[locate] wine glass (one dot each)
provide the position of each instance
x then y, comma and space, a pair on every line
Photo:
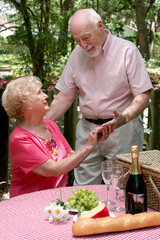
106, 169
117, 181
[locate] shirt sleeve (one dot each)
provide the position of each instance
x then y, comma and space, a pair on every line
66, 83
137, 73
27, 154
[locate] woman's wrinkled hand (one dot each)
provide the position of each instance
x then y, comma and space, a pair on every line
93, 138
103, 133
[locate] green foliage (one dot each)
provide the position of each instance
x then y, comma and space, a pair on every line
36, 28
2, 51
2, 40
157, 38
152, 62
7, 59
130, 38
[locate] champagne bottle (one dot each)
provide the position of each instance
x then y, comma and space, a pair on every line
135, 191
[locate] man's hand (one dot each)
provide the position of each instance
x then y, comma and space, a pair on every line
102, 133
118, 120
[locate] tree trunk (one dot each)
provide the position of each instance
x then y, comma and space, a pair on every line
142, 29
70, 122
63, 40
153, 141
98, 6
4, 135
152, 37
153, 29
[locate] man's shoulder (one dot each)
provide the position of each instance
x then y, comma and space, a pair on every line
77, 52
124, 42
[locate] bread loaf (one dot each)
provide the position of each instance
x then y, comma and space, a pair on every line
89, 226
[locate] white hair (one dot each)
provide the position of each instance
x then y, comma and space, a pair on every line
18, 94
93, 17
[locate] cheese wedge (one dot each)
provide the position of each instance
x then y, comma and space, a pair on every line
97, 212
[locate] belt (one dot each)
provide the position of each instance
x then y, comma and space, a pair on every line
98, 120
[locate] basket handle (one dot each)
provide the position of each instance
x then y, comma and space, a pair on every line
154, 186
126, 174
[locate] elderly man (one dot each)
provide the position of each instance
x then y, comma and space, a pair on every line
113, 85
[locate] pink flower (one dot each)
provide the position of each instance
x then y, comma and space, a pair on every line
3, 83
51, 87
49, 146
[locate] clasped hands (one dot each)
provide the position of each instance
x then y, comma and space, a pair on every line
106, 129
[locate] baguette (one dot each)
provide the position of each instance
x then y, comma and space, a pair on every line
89, 226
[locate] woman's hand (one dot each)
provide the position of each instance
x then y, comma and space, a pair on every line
98, 134
92, 139
103, 133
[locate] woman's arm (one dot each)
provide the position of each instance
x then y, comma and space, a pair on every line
51, 168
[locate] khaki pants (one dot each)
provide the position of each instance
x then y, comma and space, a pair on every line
89, 172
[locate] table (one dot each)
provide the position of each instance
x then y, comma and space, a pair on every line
23, 218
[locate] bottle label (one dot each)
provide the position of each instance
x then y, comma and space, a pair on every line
136, 203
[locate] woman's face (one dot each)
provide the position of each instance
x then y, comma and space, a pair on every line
38, 101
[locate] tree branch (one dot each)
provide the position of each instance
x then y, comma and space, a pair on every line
149, 6
16, 4
7, 28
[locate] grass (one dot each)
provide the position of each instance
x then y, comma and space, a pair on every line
8, 61
9, 66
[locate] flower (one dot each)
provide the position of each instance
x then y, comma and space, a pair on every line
51, 146
48, 211
3, 83
56, 212
53, 204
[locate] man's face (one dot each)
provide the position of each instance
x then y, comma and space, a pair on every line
88, 37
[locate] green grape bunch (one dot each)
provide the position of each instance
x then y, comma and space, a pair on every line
83, 199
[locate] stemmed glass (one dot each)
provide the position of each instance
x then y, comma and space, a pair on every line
106, 169
117, 181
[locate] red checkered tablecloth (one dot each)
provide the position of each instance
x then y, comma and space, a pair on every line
23, 218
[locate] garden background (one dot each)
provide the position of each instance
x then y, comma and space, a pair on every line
34, 39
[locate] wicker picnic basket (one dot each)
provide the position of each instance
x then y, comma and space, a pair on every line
150, 168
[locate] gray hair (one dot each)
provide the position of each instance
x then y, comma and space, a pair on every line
93, 17
17, 95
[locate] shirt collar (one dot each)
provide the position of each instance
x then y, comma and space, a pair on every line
107, 42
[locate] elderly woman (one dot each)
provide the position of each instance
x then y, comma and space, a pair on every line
40, 155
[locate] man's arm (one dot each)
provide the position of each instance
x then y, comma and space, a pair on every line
139, 103
59, 106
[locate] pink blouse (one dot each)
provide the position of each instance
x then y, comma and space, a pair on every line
28, 151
